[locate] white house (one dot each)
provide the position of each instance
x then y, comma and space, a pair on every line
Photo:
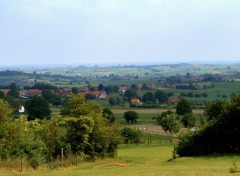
21, 109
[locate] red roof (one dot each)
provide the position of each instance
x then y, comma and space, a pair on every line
33, 92
20, 107
123, 88
135, 100
83, 93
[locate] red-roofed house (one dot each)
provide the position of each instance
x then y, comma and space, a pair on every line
63, 91
33, 92
135, 101
122, 89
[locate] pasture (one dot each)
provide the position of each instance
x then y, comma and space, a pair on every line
143, 159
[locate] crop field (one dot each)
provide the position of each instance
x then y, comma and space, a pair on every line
144, 159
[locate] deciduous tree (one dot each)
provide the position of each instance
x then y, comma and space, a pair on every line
37, 107
131, 116
183, 107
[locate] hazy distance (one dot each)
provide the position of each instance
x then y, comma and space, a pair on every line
43, 32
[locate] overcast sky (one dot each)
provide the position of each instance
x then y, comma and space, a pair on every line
118, 31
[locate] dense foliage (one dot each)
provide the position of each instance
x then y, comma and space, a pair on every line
221, 135
131, 116
83, 130
38, 107
131, 135
183, 107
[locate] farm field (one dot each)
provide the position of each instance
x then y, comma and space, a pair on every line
144, 159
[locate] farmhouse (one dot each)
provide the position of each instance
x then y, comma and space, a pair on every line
30, 92
135, 101
63, 91
21, 109
123, 88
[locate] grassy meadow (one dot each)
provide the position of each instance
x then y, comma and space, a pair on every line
143, 159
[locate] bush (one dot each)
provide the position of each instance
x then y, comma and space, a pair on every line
188, 120
131, 135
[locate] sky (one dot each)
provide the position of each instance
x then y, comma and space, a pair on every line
82, 32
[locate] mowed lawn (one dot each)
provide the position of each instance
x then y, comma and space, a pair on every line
146, 160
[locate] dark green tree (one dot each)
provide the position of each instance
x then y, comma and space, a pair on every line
100, 87
163, 114
130, 93
215, 110
188, 120
37, 107
90, 96
219, 136
148, 97
183, 107
75, 90
145, 87
131, 116
161, 96
108, 114
14, 90
134, 86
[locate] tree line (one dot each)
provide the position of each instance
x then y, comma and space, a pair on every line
83, 129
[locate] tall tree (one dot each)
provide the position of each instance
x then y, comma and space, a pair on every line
14, 90
170, 125
78, 132
148, 97
88, 131
130, 93
161, 96
5, 112
100, 87
37, 107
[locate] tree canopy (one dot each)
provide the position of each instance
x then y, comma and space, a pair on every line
183, 107
161, 96
169, 124
131, 116
37, 107
78, 106
219, 136
5, 112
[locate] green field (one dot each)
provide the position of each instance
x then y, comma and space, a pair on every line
149, 160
